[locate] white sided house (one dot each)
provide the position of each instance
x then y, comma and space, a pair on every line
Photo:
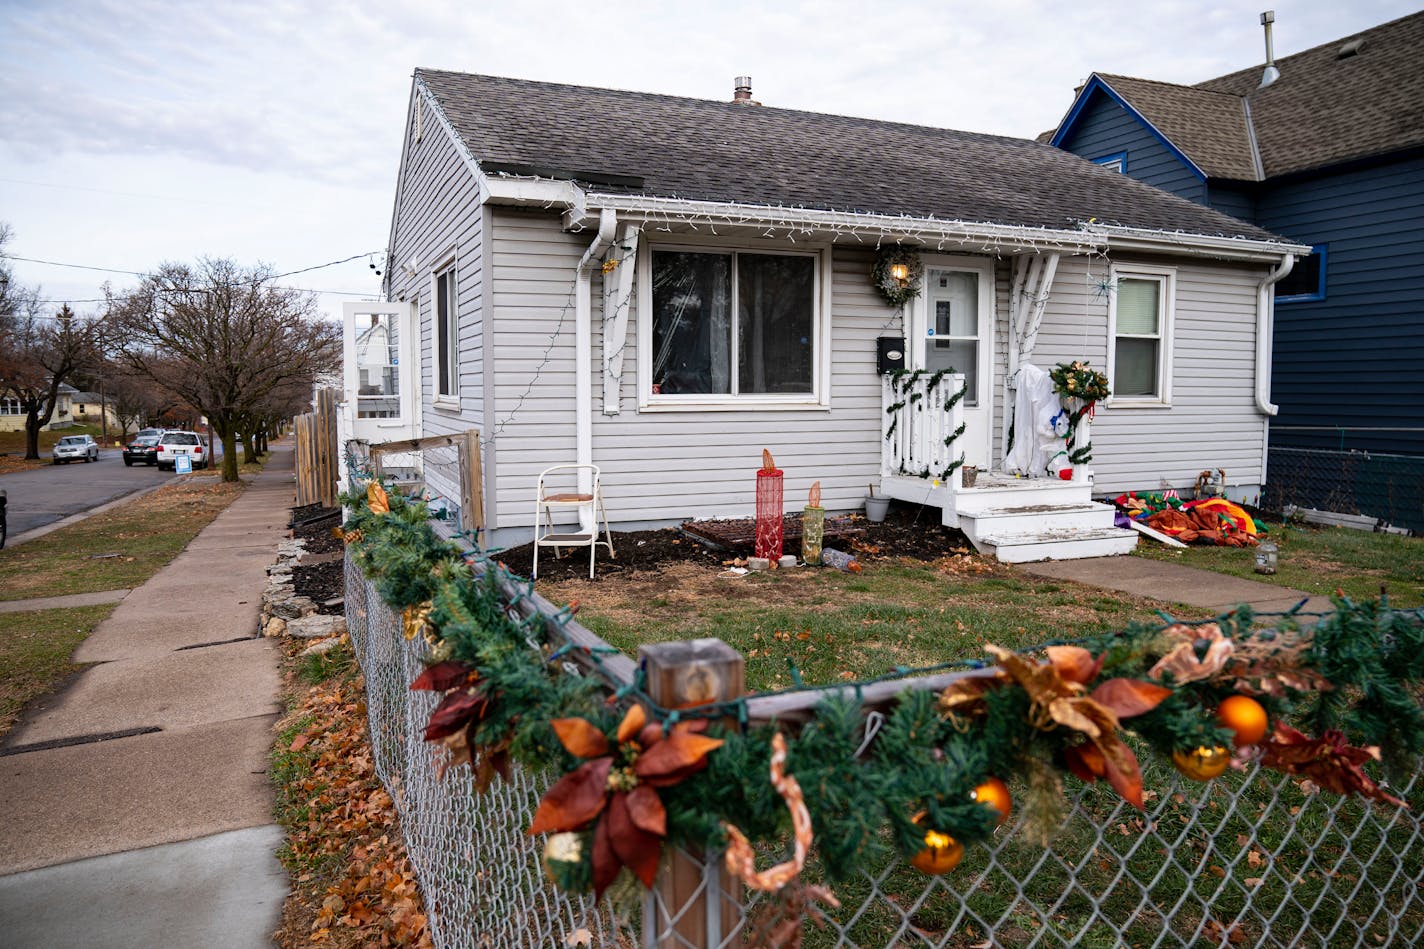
664, 286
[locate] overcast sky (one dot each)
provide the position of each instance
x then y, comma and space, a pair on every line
134, 132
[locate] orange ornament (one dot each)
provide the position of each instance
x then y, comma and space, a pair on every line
1202, 764
942, 854
994, 793
1245, 717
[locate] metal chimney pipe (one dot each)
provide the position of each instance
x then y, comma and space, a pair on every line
743, 91
1272, 73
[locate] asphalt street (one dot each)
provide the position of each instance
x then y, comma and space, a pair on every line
41, 496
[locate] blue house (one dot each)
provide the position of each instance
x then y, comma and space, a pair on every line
1325, 147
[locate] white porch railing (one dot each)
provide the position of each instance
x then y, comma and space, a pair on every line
922, 422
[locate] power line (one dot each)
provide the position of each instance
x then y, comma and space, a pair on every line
141, 274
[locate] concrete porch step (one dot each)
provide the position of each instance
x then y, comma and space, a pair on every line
1055, 543
1030, 517
1024, 492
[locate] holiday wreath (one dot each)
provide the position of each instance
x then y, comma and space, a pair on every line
637, 776
897, 290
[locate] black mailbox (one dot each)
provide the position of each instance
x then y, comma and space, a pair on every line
889, 354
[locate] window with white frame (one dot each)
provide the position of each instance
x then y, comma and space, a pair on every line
447, 336
1116, 162
10, 406
1140, 335
733, 326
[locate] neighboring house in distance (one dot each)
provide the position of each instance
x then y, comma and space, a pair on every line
12, 413
665, 286
1330, 154
92, 406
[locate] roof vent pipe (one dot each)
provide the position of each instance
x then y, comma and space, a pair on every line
742, 95
1272, 73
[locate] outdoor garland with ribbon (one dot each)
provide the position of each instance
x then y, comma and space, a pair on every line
929, 777
897, 274
909, 399
1079, 388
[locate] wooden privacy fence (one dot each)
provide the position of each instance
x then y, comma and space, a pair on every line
316, 461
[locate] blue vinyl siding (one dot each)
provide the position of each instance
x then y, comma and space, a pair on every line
1235, 200
1105, 128
1355, 359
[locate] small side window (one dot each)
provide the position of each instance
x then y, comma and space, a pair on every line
1306, 281
1115, 162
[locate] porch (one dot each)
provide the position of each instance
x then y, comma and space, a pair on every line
1015, 518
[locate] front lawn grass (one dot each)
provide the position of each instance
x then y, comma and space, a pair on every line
836, 626
1320, 560
34, 653
118, 549
12, 446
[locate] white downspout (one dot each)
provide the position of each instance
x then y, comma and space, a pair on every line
1265, 332
583, 356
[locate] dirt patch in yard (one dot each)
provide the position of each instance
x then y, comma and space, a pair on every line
910, 530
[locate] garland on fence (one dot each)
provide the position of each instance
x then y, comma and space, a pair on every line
1079, 388
930, 771
902, 386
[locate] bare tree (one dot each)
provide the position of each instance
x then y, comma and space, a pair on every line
37, 356
224, 339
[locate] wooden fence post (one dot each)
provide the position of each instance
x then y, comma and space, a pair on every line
682, 674
472, 493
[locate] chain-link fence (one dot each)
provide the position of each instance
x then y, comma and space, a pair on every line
1250, 859
1385, 488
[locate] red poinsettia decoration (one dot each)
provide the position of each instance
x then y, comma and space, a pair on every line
1327, 760
619, 782
453, 722
1059, 692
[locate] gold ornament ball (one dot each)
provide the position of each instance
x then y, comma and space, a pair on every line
994, 793
1202, 764
1245, 717
942, 854
561, 848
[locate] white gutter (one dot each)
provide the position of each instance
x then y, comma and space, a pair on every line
1265, 333
870, 229
1198, 245
583, 357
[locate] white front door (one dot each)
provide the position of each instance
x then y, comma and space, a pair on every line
954, 321
380, 370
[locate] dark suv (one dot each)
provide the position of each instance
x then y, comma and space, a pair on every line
143, 449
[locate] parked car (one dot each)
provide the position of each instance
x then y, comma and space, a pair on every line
173, 444
76, 447
146, 432
143, 449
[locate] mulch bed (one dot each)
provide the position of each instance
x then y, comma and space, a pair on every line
910, 530
319, 581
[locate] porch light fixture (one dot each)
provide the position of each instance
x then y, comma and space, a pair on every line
900, 273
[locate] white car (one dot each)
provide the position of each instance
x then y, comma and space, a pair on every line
173, 444
76, 448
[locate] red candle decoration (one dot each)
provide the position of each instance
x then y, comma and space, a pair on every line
768, 509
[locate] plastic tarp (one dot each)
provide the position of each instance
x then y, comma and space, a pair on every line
1040, 422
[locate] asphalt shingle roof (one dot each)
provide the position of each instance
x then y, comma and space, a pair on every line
1210, 127
719, 151
1322, 111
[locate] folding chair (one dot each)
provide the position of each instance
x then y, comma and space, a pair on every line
588, 507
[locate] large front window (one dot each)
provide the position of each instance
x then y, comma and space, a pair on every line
733, 323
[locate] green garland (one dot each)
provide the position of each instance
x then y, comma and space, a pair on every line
1078, 381
902, 381
1355, 671
898, 292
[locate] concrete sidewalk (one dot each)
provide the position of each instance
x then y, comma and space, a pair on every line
1206, 590
193, 695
